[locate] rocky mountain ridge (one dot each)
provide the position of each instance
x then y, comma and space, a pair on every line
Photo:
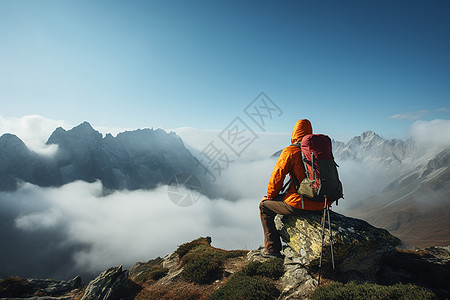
138, 159
371, 149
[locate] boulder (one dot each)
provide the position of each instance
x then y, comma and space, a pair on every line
107, 286
357, 245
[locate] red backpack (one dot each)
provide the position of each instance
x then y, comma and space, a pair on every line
321, 175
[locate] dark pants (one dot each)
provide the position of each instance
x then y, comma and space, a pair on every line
268, 209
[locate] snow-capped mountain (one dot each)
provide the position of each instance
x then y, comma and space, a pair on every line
131, 160
371, 149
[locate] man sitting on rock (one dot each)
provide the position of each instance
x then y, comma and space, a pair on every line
291, 203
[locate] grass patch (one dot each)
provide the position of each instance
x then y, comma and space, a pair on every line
241, 286
179, 291
153, 273
202, 263
371, 291
183, 249
11, 287
273, 268
253, 282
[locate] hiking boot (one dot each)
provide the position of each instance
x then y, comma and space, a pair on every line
267, 254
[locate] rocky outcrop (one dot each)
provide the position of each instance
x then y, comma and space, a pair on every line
39, 289
297, 281
358, 250
55, 287
107, 286
357, 245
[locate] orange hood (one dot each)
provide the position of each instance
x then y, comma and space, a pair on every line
301, 128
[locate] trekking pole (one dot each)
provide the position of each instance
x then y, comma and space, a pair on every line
323, 238
331, 237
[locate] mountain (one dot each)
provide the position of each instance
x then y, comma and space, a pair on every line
371, 149
18, 164
132, 160
416, 206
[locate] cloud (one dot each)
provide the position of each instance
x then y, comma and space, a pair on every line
85, 232
361, 181
417, 115
435, 133
410, 116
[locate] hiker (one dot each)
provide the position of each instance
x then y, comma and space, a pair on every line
291, 203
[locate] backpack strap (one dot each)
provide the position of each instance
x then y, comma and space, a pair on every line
293, 178
296, 184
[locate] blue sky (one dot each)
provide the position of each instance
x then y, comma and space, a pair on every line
348, 66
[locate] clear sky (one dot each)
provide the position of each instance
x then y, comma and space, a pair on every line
348, 66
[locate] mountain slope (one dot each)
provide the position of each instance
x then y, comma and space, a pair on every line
416, 206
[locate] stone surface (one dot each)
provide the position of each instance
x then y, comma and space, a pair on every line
297, 281
107, 286
358, 249
42, 289
356, 243
50, 287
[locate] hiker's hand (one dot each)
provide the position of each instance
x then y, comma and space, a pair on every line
265, 198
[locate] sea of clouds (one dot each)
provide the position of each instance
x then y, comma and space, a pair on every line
76, 229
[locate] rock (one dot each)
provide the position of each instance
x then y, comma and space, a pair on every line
50, 287
357, 245
108, 285
256, 255
19, 288
297, 282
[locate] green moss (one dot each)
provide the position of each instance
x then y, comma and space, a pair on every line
202, 269
186, 247
371, 291
202, 263
273, 268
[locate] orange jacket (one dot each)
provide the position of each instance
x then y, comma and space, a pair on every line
290, 162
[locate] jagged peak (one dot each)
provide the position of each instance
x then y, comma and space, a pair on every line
369, 134
81, 131
10, 139
84, 127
